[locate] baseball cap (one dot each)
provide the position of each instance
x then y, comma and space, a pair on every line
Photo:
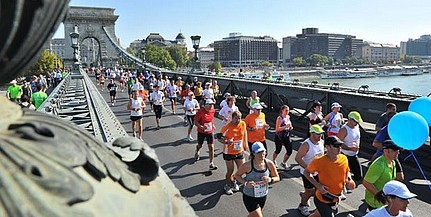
190, 93
398, 189
315, 104
207, 84
335, 105
257, 147
227, 94
13, 81
257, 106
390, 144
316, 129
209, 101
333, 140
354, 115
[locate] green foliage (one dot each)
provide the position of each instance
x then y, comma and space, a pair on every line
159, 57
267, 64
179, 55
47, 62
298, 61
130, 51
215, 66
317, 60
410, 60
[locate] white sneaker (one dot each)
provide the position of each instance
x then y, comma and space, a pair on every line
228, 190
190, 138
304, 210
235, 186
342, 196
213, 166
284, 166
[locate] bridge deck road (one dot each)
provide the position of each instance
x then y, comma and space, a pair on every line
204, 189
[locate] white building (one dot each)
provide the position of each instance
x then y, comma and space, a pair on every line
206, 56
384, 52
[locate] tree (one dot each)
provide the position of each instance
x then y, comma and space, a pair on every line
298, 61
215, 66
410, 60
130, 51
266, 63
159, 57
46, 63
179, 55
317, 60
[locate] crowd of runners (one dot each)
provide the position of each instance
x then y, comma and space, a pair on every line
328, 157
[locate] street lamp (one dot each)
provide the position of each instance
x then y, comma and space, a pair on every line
74, 37
196, 39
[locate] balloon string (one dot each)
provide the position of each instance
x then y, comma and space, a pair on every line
420, 168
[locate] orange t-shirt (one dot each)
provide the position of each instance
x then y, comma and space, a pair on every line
253, 120
331, 174
237, 134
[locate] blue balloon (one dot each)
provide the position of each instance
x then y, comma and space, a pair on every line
408, 130
422, 106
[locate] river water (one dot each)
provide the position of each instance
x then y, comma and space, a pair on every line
418, 84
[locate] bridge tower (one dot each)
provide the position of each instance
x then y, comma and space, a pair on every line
95, 46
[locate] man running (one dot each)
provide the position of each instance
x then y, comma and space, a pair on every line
204, 121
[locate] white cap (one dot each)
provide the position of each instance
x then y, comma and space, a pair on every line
335, 105
257, 106
398, 189
209, 101
13, 81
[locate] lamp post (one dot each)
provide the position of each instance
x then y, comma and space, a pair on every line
74, 36
196, 39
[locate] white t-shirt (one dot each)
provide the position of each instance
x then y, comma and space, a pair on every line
191, 104
157, 97
136, 103
223, 103
226, 112
209, 93
172, 90
382, 212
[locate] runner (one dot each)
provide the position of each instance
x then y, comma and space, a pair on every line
136, 105
259, 173
256, 126
226, 112
157, 97
333, 170
173, 91
112, 87
204, 121
309, 149
191, 106
283, 127
334, 120
234, 142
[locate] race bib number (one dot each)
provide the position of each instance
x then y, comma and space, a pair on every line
113, 88
237, 145
260, 189
259, 123
208, 127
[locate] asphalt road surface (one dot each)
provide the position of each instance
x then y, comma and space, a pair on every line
203, 189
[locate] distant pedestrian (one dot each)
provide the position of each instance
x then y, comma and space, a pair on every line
259, 173
26, 104
223, 103
173, 92
396, 196
204, 121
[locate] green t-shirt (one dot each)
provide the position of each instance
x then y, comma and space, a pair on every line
38, 98
378, 174
14, 91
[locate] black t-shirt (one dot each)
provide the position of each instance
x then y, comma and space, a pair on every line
112, 87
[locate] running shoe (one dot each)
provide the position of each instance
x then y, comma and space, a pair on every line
235, 186
342, 196
304, 210
190, 138
284, 166
228, 190
112, 104
134, 134
158, 127
197, 157
213, 166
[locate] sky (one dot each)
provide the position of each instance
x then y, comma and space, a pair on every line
380, 21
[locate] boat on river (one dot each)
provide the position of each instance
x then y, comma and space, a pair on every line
386, 71
347, 73
411, 70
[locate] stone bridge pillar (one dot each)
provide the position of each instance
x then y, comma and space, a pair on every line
90, 22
